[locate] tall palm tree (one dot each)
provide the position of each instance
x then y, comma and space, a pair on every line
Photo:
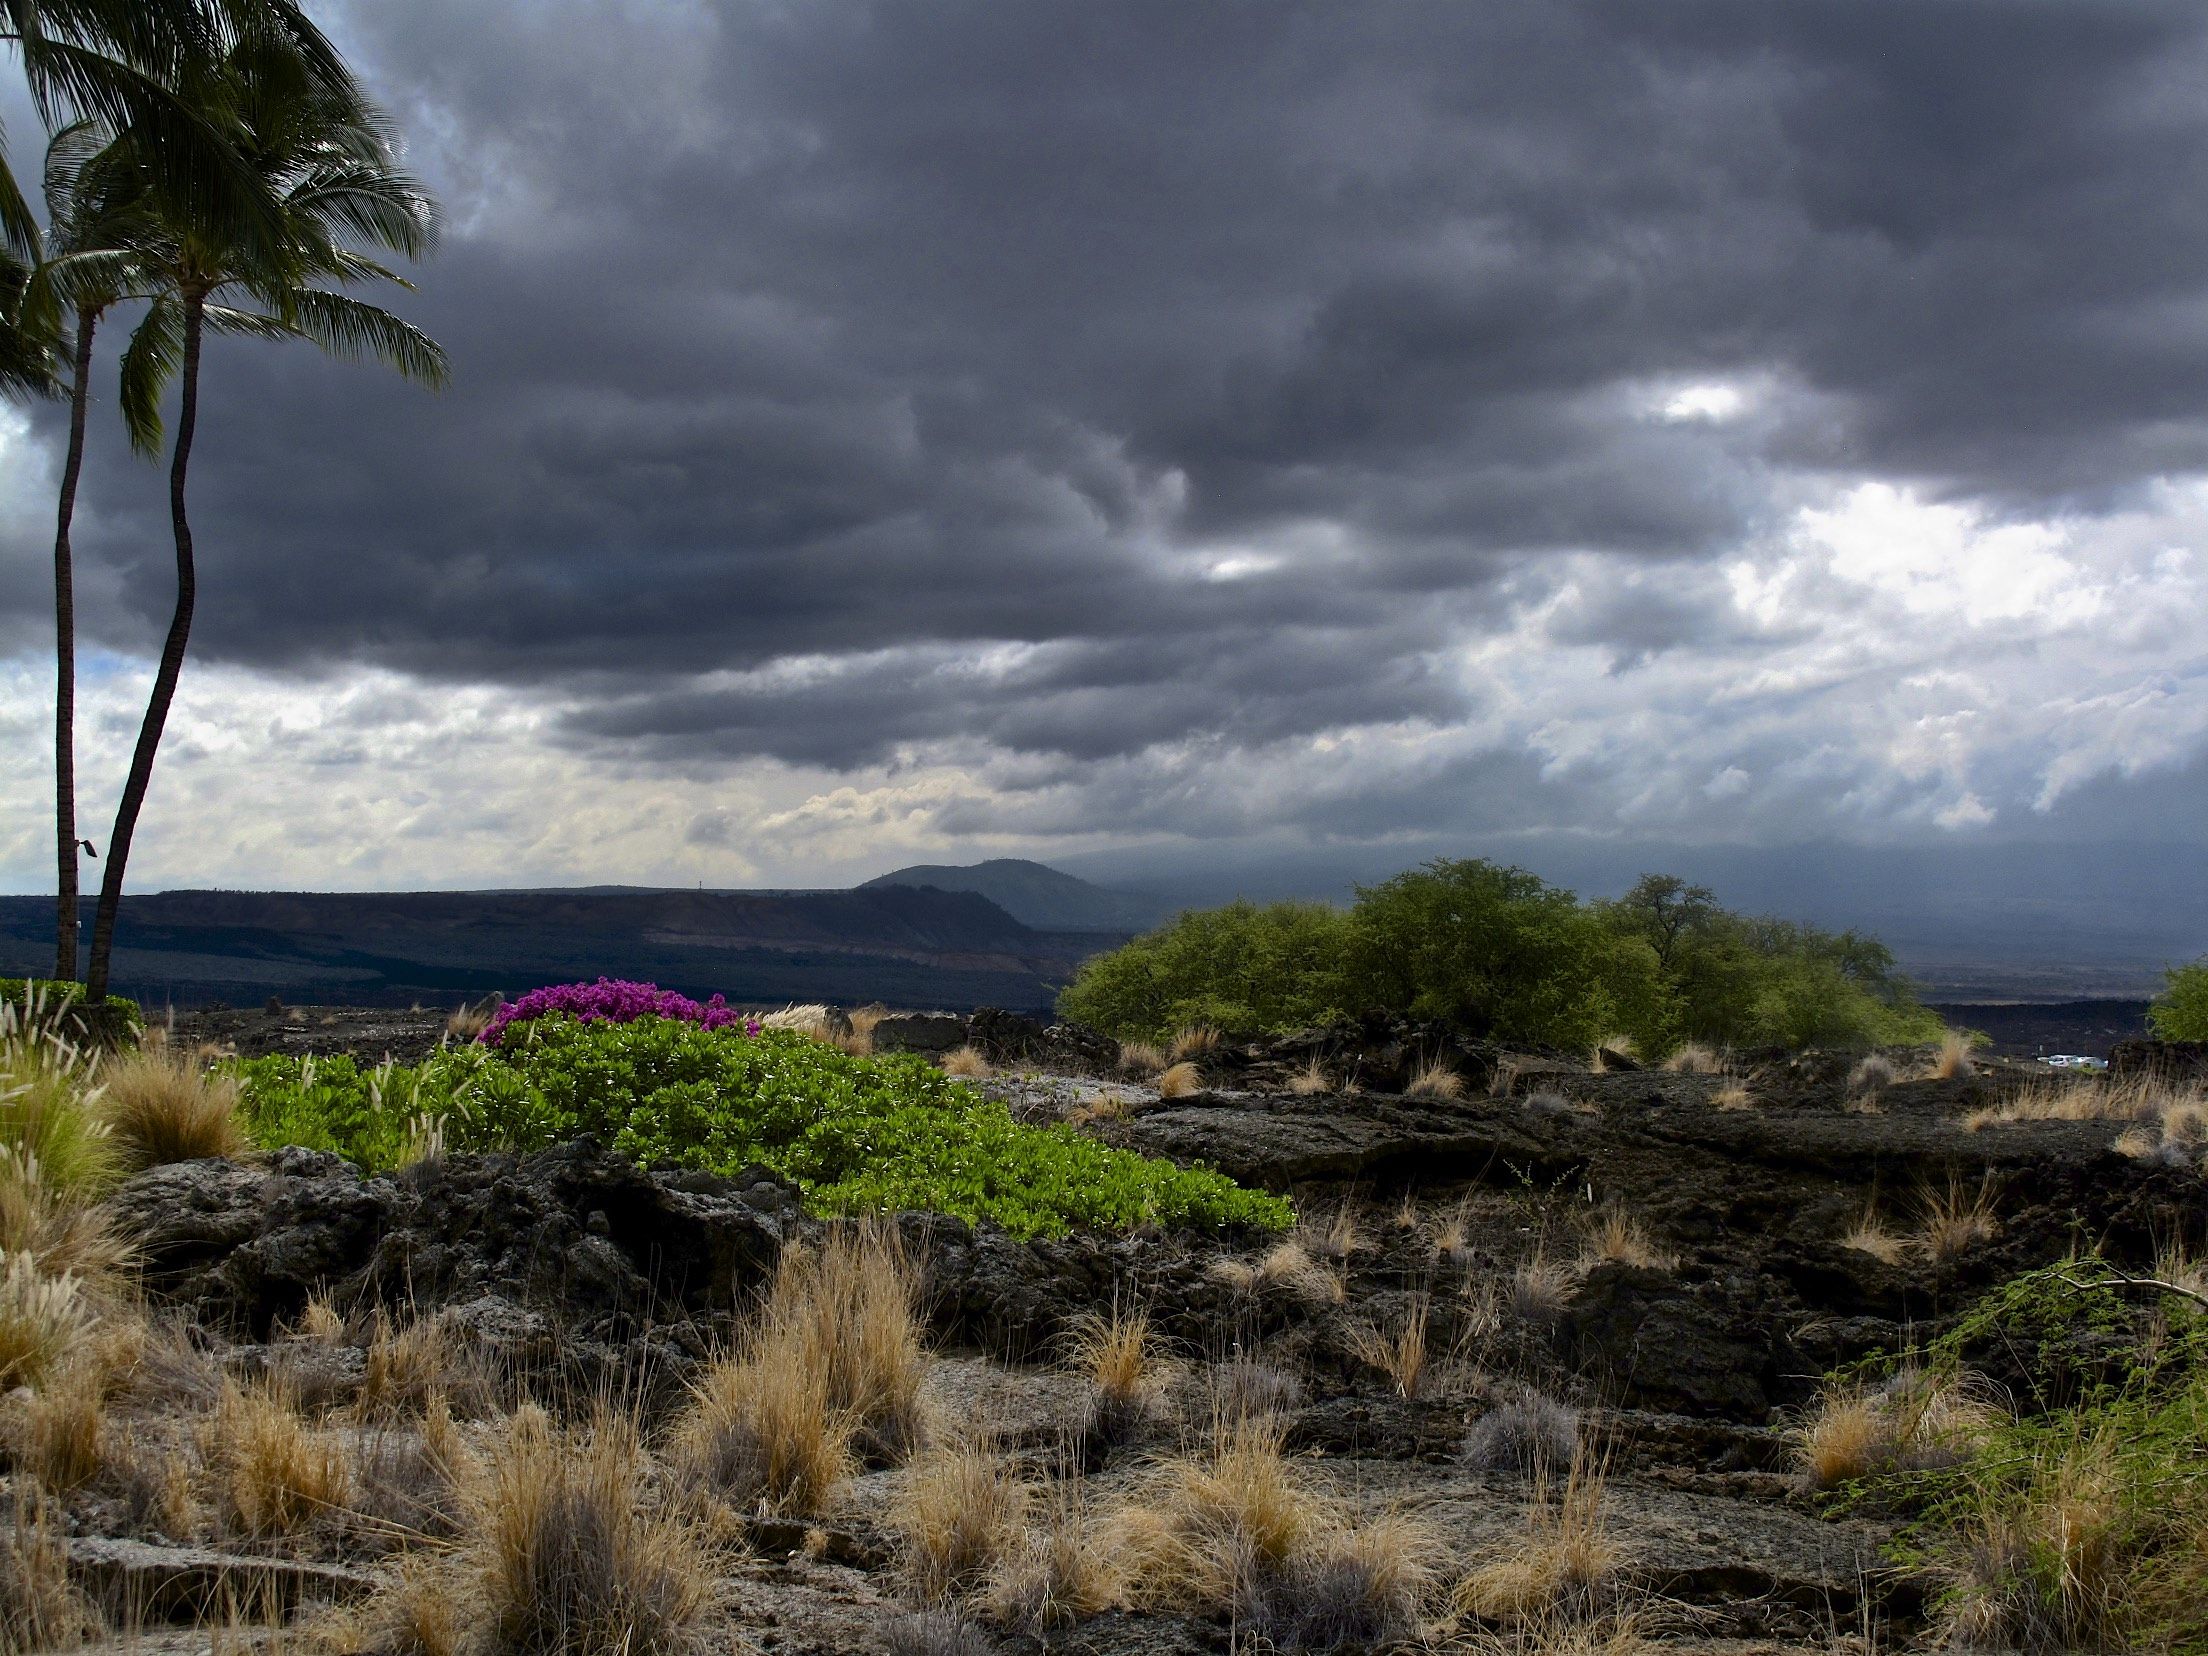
96, 215
327, 167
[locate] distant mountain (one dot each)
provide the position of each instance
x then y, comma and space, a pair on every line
1035, 895
909, 946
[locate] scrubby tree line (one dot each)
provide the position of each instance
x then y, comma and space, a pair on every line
1497, 952
212, 166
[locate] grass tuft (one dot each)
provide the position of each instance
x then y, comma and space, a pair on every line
1435, 1080
1400, 1352
161, 1107
567, 1552
967, 1063
1181, 1081
1529, 1432
276, 1475
957, 1514
1120, 1358
1310, 1081
1622, 1239
1695, 1059
42, 1319
1563, 1564
1954, 1222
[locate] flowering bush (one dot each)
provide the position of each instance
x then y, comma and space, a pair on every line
615, 1000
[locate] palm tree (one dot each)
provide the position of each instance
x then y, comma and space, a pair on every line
124, 62
326, 166
95, 214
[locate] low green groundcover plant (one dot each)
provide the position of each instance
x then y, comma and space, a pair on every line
856, 1134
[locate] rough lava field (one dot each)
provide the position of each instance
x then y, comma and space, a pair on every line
1647, 1272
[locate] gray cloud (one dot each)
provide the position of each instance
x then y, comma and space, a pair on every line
841, 384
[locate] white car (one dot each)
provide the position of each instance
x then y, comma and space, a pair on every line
2073, 1060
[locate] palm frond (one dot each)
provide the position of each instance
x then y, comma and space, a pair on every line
350, 328
150, 361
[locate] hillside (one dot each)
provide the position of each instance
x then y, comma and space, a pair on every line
1034, 894
907, 944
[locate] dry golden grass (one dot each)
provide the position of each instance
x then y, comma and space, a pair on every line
1341, 1236
40, 1608
1622, 1239
1142, 1058
1914, 1421
1541, 1288
42, 1319
958, 1511
1453, 1237
831, 1367
1734, 1097
2147, 1100
1435, 1080
1193, 1043
1954, 1222
47, 1089
1562, 1566
1120, 1358
407, 1367
1286, 1267
1240, 1507
467, 1022
1399, 1352
1310, 1081
1065, 1568
2057, 1565
1180, 1081
1103, 1107
864, 1019
275, 1475
161, 1107
319, 1322
1695, 1059
61, 1432
759, 1428
967, 1062
154, 1480
1871, 1236
564, 1551
1953, 1061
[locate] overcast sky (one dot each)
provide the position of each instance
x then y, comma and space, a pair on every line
942, 430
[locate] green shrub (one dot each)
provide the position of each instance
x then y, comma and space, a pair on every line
1241, 967
1742, 981
1498, 953
62, 1006
856, 1134
2180, 1012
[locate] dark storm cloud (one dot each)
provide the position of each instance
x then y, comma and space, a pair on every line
885, 336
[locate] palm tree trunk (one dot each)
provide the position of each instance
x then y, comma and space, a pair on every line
165, 675
65, 665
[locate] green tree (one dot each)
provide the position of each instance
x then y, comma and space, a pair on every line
1497, 952
1241, 967
2180, 1012
325, 165
1739, 980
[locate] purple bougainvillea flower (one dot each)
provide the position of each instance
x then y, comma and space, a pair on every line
614, 1000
